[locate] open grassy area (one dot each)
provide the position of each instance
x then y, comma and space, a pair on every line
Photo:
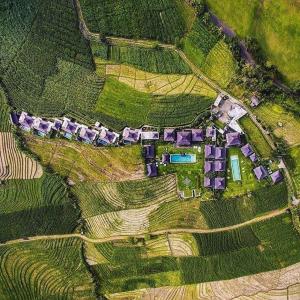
274, 25
283, 123
51, 269
256, 138
163, 20
294, 165
80, 162
5, 125
120, 105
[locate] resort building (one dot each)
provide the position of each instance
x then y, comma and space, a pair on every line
151, 170
14, 118
219, 183
150, 135
209, 167
260, 172
70, 128
165, 159
57, 124
211, 133
220, 153
184, 138
209, 182
276, 176
253, 157
254, 101
198, 135
107, 137
131, 135
26, 121
42, 127
169, 135
233, 139
149, 151
219, 166
87, 135
209, 151
247, 150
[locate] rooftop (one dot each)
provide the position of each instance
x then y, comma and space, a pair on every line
276, 176
87, 134
184, 138
131, 135
209, 182
219, 165
209, 151
149, 151
149, 135
208, 167
220, 153
247, 150
260, 172
198, 135
233, 139
169, 135
219, 183
151, 170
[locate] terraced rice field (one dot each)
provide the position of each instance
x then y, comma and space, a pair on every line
13, 163
44, 270
99, 198
80, 162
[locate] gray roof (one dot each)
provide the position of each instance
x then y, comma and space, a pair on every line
107, 136
87, 134
210, 132
71, 127
130, 135
27, 121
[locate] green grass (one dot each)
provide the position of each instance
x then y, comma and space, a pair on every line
256, 138
98, 198
5, 125
51, 269
163, 20
163, 61
211, 54
293, 163
36, 207
274, 25
119, 105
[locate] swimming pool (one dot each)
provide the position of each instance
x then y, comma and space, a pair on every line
235, 168
182, 158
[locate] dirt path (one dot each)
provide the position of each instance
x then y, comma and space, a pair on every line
261, 218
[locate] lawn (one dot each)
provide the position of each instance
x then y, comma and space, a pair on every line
294, 165
248, 183
283, 123
256, 138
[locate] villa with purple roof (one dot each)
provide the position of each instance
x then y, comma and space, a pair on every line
131, 135
209, 151
169, 135
42, 127
219, 166
211, 133
260, 172
253, 157
184, 138
14, 118
151, 170
220, 153
26, 121
219, 183
149, 151
233, 139
209, 182
70, 128
57, 125
88, 135
276, 177
107, 137
165, 159
247, 150
208, 167
198, 135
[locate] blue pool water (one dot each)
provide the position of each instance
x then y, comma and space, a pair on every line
235, 168
182, 158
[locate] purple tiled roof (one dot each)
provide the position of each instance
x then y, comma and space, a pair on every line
14, 118
184, 138
165, 158
208, 182
71, 127
87, 134
253, 157
107, 136
130, 135
149, 151
208, 167
209, 151
57, 125
44, 126
151, 170
219, 183
27, 121
220, 153
197, 135
210, 132
260, 172
247, 150
233, 139
276, 176
169, 135
219, 165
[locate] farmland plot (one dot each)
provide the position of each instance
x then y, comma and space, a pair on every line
13, 163
44, 270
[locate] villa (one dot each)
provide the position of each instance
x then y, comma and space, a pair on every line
220, 153
169, 135
211, 133
131, 135
247, 150
149, 151
209, 151
253, 157
254, 101
209, 182
26, 121
42, 127
107, 137
209, 167
70, 128
14, 118
165, 159
57, 125
88, 135
198, 135
219, 183
184, 138
150, 135
276, 177
233, 139
152, 170
219, 166
260, 172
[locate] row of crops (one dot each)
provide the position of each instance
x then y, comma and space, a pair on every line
163, 20
99, 198
5, 125
155, 60
50, 269
124, 266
